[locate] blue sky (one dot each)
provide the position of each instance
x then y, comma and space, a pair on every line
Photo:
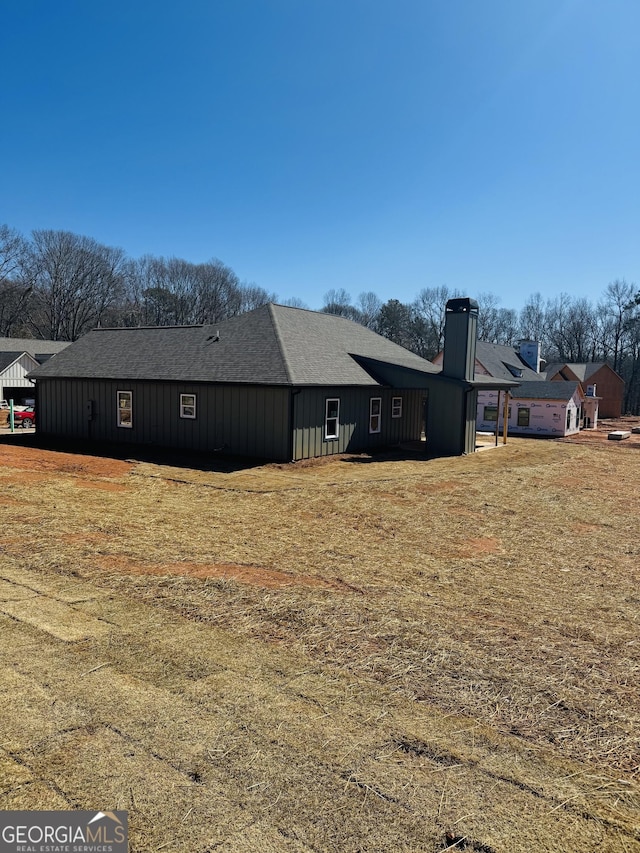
486, 145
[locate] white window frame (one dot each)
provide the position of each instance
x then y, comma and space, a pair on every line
184, 406
120, 398
375, 418
331, 423
396, 407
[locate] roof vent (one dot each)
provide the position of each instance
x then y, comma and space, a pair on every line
214, 336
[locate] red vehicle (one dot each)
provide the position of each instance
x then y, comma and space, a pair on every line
24, 417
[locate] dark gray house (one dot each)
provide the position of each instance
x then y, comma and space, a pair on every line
278, 383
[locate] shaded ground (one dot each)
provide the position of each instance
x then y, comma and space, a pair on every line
402, 655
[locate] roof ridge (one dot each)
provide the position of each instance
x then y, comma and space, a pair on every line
151, 328
271, 306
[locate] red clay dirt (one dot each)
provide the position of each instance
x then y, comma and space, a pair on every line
17, 455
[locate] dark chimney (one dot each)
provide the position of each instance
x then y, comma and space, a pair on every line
460, 336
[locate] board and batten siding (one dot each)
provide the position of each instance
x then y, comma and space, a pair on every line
268, 422
15, 375
309, 406
451, 419
236, 419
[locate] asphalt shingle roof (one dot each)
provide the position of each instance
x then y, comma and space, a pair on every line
273, 344
543, 390
38, 349
582, 370
497, 359
7, 358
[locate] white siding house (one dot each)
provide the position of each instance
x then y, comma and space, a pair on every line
535, 409
13, 376
18, 356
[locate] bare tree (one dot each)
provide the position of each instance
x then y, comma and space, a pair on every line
12, 246
629, 369
429, 311
14, 291
131, 308
295, 302
506, 326
218, 293
338, 302
74, 279
167, 288
533, 320
488, 317
14, 303
252, 296
368, 308
618, 315
571, 328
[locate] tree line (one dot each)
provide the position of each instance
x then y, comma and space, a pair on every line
57, 285
569, 329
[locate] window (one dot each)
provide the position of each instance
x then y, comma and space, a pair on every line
523, 417
490, 413
331, 418
568, 418
396, 407
187, 405
375, 405
125, 409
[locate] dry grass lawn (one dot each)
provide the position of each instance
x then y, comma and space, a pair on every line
362, 656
